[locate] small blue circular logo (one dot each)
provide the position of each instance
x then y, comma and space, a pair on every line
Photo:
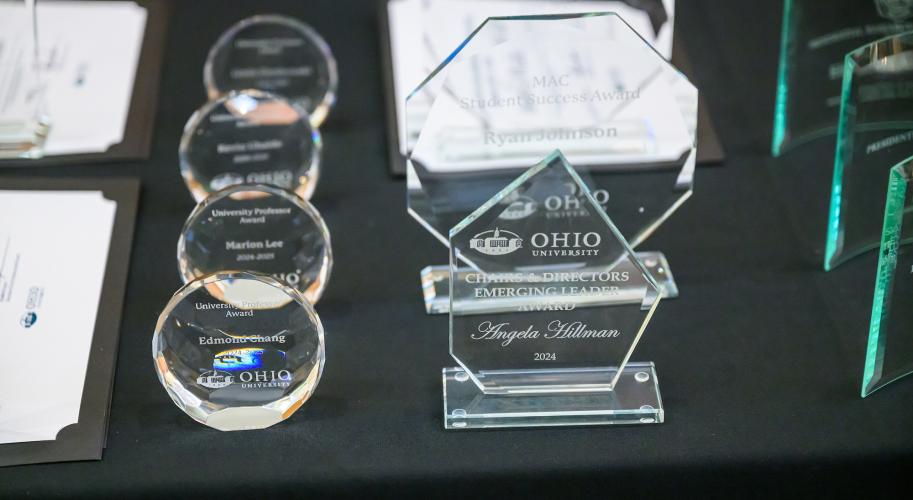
28, 319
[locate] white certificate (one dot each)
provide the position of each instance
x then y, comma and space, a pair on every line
424, 32
53, 255
88, 53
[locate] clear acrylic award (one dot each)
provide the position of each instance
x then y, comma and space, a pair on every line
238, 351
250, 137
276, 54
889, 355
816, 36
521, 87
571, 301
258, 228
875, 133
24, 123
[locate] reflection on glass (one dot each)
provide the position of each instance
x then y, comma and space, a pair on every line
246, 359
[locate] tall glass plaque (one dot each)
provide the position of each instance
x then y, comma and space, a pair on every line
24, 123
816, 36
277, 54
889, 355
258, 228
521, 87
238, 351
561, 355
875, 132
250, 137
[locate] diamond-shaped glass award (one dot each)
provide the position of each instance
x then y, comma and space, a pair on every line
546, 311
238, 351
890, 349
521, 87
875, 133
816, 37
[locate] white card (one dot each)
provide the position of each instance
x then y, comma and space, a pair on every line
424, 32
53, 255
89, 53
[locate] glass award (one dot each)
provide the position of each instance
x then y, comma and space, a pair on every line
258, 228
250, 137
521, 87
24, 123
547, 313
816, 36
238, 351
889, 355
875, 133
275, 54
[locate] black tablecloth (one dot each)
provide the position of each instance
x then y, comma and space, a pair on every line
760, 360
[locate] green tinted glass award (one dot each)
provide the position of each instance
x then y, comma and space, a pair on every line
547, 313
875, 132
519, 88
816, 36
889, 355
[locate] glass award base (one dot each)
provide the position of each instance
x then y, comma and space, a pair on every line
634, 400
436, 283
23, 138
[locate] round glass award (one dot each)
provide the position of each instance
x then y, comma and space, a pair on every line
238, 351
250, 137
276, 54
262, 229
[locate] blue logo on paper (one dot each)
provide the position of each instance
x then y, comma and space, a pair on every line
28, 319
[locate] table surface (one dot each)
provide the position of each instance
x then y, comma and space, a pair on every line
760, 359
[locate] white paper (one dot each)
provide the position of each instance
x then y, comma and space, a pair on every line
89, 53
53, 254
424, 32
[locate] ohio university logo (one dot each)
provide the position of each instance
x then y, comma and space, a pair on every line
215, 379
496, 242
895, 10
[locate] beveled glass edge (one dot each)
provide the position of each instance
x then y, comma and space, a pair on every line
900, 180
191, 287
196, 188
538, 17
833, 251
187, 276
329, 99
689, 164
652, 286
781, 107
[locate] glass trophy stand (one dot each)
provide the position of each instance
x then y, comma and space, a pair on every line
238, 351
276, 54
889, 355
875, 132
815, 38
561, 357
24, 123
520, 88
258, 228
250, 137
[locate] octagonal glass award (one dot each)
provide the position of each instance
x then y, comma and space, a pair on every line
276, 54
521, 87
238, 351
546, 311
816, 36
258, 228
250, 137
875, 133
889, 355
